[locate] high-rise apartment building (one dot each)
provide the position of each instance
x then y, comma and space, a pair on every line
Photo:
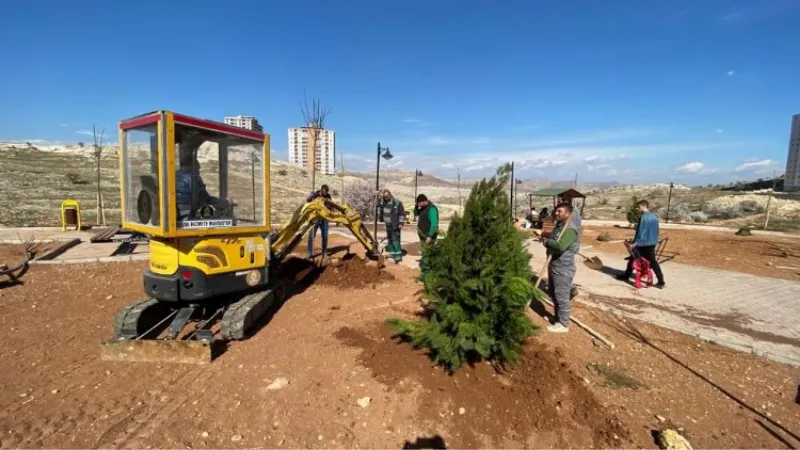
246, 122
791, 180
300, 149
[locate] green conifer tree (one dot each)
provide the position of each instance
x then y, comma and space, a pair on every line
478, 283
633, 215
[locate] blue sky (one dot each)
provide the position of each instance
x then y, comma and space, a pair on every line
632, 90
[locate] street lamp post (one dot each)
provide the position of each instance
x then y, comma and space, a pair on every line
517, 181
417, 174
383, 152
669, 199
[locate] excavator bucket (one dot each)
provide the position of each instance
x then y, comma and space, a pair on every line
150, 350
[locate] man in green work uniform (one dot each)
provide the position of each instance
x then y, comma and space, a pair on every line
394, 216
562, 246
427, 225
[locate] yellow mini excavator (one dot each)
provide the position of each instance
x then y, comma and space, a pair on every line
201, 191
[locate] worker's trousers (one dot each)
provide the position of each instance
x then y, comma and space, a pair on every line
559, 287
323, 228
393, 247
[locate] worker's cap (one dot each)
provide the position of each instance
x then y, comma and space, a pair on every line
422, 198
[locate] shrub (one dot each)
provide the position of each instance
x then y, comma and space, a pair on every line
698, 217
75, 178
657, 192
633, 215
602, 201
283, 172
677, 213
361, 197
751, 206
478, 285
744, 231
722, 212
605, 237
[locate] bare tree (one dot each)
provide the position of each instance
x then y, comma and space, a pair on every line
361, 197
458, 175
314, 116
98, 153
341, 159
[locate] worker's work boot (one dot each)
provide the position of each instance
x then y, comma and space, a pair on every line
558, 328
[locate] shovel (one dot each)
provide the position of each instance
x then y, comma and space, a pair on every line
594, 263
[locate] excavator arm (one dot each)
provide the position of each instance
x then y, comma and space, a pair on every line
285, 239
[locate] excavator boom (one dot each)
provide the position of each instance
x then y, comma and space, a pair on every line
284, 240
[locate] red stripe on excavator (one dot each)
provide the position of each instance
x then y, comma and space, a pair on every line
140, 121
221, 127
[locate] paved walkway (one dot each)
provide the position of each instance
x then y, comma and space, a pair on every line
748, 312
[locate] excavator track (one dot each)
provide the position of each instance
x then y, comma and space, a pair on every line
240, 317
140, 317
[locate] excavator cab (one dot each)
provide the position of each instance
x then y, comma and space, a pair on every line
187, 177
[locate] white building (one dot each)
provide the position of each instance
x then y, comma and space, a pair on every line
791, 181
246, 122
300, 151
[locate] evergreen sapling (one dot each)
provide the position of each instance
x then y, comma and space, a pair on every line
478, 284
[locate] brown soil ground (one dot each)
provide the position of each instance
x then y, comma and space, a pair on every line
334, 349
768, 256
12, 254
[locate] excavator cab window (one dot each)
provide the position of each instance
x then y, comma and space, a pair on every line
218, 179
140, 176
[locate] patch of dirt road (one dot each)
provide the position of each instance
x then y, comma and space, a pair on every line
331, 345
769, 256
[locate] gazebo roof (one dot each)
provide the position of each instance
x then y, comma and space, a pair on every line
558, 192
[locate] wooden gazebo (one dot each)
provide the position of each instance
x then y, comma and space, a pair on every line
566, 194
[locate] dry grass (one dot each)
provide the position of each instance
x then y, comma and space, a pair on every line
34, 182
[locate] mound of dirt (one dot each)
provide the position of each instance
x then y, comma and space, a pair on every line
539, 404
352, 272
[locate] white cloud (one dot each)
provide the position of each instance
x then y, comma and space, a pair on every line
542, 163
85, 132
719, 130
597, 167
755, 165
691, 167
417, 122
591, 158
731, 73
64, 125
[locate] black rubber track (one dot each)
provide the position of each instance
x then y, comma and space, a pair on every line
140, 316
240, 317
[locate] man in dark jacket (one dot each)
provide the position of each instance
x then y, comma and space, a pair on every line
394, 216
321, 224
427, 224
645, 242
427, 220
